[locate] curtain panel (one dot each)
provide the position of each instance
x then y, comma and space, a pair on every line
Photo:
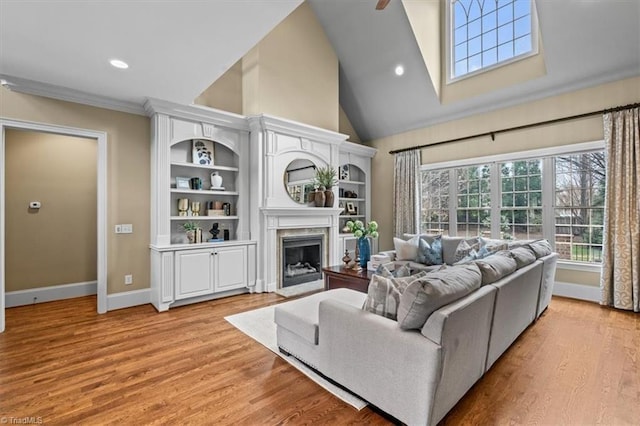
406, 192
620, 280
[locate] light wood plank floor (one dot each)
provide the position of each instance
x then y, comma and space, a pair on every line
579, 364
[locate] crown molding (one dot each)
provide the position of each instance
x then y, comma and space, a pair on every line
357, 149
293, 128
197, 113
31, 87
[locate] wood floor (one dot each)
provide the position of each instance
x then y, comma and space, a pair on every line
579, 364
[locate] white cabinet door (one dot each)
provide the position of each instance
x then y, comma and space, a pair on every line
230, 268
194, 273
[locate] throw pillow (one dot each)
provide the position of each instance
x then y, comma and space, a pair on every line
383, 294
541, 248
463, 250
406, 250
424, 296
402, 271
523, 256
495, 267
489, 247
430, 254
383, 298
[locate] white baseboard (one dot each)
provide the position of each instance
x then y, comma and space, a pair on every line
128, 299
577, 291
49, 294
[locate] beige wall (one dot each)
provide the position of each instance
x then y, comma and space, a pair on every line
293, 73
600, 97
345, 127
127, 176
56, 244
226, 92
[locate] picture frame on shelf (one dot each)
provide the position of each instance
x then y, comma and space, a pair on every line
202, 152
182, 183
351, 208
345, 172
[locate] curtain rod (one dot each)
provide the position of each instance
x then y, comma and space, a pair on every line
511, 129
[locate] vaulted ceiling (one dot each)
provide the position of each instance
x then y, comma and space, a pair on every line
178, 48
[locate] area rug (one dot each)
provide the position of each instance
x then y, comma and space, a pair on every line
258, 324
300, 289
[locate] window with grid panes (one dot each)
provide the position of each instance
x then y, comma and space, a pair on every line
521, 199
473, 209
485, 33
435, 202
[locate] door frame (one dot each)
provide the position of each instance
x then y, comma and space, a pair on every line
101, 138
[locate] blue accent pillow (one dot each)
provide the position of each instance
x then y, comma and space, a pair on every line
430, 254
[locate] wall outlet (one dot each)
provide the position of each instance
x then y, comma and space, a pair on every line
128, 279
118, 229
127, 228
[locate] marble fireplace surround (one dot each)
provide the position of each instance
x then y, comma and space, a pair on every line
282, 222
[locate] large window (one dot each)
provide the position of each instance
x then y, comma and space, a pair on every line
557, 197
435, 202
579, 206
487, 32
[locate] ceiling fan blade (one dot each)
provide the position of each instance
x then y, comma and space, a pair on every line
382, 4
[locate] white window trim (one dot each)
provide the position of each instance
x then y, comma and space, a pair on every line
448, 46
548, 189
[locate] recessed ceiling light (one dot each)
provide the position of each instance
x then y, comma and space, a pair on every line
399, 70
119, 64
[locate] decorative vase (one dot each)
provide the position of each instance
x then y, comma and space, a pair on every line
329, 198
320, 198
216, 180
191, 236
365, 251
346, 259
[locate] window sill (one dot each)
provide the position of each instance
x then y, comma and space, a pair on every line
576, 266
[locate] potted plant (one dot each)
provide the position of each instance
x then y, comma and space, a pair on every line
360, 231
190, 229
326, 178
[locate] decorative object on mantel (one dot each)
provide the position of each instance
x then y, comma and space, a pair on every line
320, 197
202, 152
216, 182
183, 206
326, 177
361, 231
190, 229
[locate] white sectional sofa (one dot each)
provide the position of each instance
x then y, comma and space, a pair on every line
417, 375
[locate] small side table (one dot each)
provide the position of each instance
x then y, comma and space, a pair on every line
341, 277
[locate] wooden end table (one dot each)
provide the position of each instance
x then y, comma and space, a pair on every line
341, 277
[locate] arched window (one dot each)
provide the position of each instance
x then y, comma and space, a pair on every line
489, 32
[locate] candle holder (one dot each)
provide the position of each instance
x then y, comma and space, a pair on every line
183, 206
195, 208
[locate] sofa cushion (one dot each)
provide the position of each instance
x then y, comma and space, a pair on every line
301, 316
427, 294
383, 294
523, 256
541, 248
406, 250
430, 253
495, 267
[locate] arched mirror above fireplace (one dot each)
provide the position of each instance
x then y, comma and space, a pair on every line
298, 180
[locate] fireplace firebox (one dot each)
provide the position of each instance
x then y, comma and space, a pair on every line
301, 259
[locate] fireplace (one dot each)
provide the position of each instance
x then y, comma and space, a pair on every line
301, 259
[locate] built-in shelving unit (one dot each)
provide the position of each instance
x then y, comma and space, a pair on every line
354, 187
182, 272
